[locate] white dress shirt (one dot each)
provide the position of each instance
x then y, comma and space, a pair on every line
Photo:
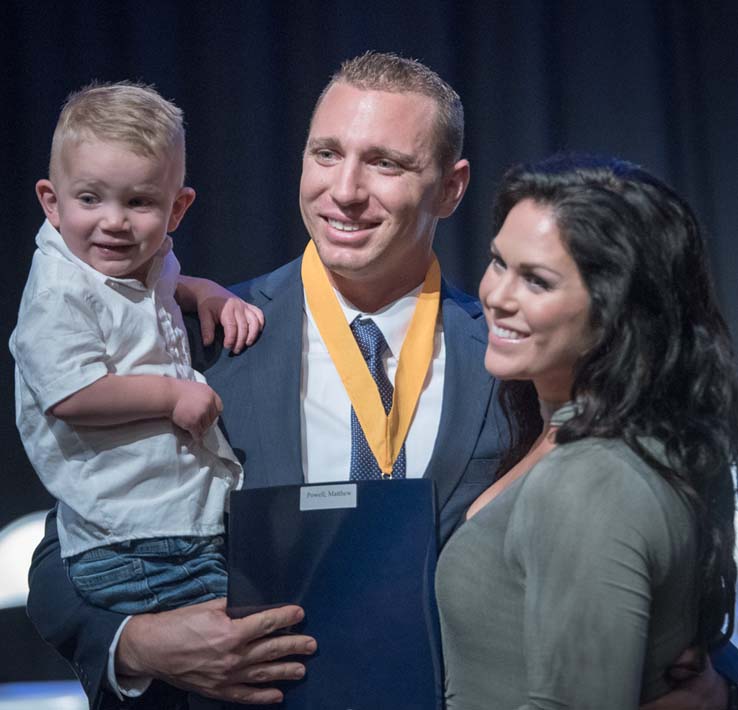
326, 408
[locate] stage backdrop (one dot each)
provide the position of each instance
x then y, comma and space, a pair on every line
652, 81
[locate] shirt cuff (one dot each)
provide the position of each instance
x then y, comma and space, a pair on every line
133, 687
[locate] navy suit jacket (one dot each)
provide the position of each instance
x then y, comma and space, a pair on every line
260, 389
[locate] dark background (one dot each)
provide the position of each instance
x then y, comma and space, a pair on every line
655, 82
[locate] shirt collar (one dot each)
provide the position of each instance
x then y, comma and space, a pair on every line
393, 320
50, 241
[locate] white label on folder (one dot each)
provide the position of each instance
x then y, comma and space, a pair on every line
337, 495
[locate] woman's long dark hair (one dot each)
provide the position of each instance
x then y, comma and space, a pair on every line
662, 364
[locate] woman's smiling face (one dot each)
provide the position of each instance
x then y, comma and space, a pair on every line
535, 302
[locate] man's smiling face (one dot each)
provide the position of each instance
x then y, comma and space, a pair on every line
372, 188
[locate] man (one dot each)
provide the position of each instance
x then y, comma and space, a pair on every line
381, 166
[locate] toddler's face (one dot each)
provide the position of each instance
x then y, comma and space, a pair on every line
113, 207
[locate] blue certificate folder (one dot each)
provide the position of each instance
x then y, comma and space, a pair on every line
360, 559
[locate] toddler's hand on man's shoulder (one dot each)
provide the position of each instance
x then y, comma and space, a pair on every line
242, 322
215, 305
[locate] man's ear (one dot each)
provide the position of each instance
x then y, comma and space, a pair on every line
49, 202
455, 182
185, 197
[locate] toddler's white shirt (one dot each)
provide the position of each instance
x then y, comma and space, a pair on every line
136, 480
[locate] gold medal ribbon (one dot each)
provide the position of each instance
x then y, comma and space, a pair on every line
385, 433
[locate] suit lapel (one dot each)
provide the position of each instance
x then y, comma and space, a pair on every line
467, 388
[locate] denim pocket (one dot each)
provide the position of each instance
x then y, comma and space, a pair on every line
103, 571
147, 575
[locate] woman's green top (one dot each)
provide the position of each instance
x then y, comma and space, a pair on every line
574, 588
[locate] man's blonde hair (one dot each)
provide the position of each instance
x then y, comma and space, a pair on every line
132, 114
386, 71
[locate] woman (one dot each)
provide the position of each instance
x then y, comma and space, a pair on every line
605, 546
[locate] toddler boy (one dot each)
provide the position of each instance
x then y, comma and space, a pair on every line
117, 424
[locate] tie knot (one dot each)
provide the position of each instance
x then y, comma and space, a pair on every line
369, 338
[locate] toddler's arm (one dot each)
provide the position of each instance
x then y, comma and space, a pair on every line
214, 304
118, 399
